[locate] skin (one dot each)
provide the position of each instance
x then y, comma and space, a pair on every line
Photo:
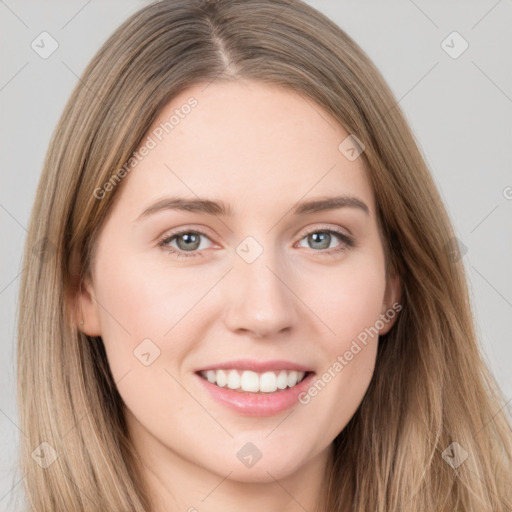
259, 149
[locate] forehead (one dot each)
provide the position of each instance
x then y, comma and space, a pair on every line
248, 144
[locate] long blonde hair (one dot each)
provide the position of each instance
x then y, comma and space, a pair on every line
430, 388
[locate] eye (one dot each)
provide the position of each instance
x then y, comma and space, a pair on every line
322, 239
187, 241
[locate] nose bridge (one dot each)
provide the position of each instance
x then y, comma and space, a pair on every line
260, 300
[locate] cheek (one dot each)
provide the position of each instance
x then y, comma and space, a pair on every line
352, 312
139, 302
147, 333
347, 299
153, 299
349, 306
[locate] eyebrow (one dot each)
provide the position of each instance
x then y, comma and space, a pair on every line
210, 207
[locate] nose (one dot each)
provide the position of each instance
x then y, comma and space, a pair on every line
261, 302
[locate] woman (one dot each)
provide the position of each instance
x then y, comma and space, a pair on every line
248, 295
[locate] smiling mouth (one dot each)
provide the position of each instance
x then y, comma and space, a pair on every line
254, 382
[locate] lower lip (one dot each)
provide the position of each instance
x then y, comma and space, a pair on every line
257, 404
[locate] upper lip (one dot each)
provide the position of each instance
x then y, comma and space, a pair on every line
256, 366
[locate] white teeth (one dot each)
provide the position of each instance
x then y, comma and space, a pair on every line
267, 382
282, 380
292, 379
250, 381
233, 379
221, 378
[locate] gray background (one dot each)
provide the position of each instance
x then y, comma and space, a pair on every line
459, 110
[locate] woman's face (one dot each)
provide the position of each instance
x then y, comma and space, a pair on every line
276, 285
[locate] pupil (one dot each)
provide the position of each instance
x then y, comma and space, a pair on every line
190, 239
326, 238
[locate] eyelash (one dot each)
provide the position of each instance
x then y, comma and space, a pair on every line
347, 242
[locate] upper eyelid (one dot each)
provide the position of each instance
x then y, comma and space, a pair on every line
336, 230
180, 231
203, 231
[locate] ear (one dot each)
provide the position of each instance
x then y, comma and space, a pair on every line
88, 309
391, 303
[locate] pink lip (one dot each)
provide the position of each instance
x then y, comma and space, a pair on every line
257, 404
256, 366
